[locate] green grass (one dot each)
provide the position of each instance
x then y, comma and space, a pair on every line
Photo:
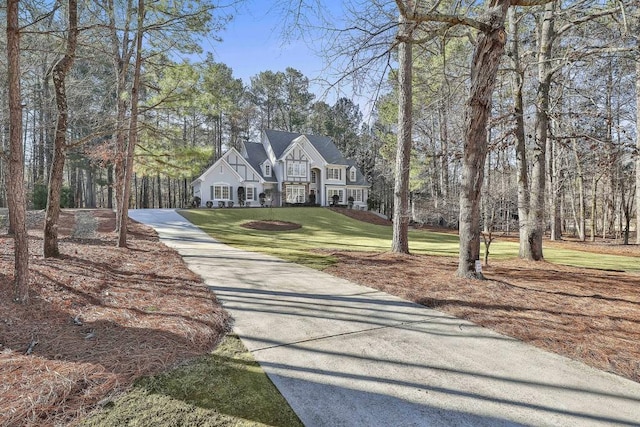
325, 229
226, 388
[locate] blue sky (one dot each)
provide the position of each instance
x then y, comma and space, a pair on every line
253, 42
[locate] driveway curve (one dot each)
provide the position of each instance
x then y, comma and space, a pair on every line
347, 355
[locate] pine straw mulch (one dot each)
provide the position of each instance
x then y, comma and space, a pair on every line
141, 311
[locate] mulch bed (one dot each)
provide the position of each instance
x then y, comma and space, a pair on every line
365, 216
99, 317
271, 225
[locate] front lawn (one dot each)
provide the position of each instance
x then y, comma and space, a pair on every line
323, 229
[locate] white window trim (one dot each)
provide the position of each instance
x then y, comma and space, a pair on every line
352, 174
267, 169
296, 169
221, 186
299, 197
331, 171
352, 192
250, 189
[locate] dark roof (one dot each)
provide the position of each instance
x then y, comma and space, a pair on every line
256, 156
280, 140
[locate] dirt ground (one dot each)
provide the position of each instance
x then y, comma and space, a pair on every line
103, 316
99, 317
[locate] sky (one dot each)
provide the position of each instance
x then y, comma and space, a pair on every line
253, 42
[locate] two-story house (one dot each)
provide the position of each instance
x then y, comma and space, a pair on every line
287, 168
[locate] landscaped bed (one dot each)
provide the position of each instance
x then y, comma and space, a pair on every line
99, 317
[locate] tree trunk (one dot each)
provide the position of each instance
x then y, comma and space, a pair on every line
401, 213
521, 147
637, 136
594, 202
90, 189
56, 175
484, 69
579, 216
159, 190
553, 178
16, 193
121, 56
487, 202
133, 129
110, 186
536, 220
444, 151
144, 196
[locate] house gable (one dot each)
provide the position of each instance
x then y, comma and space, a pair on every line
315, 158
296, 164
241, 166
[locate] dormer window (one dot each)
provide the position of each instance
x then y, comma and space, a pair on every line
352, 174
267, 169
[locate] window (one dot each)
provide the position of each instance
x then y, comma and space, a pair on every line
357, 194
295, 194
296, 169
267, 170
313, 177
250, 193
332, 192
333, 173
352, 174
221, 192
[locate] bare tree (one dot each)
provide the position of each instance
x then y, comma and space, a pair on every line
122, 52
637, 57
484, 68
60, 71
401, 213
531, 247
518, 115
16, 193
133, 129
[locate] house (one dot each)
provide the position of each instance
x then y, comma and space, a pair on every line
286, 168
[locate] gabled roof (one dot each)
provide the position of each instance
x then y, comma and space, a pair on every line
256, 156
280, 140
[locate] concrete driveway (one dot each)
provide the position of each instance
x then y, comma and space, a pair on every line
348, 355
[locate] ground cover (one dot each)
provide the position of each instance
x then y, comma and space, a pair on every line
589, 313
101, 318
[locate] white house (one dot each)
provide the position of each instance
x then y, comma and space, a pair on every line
287, 168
